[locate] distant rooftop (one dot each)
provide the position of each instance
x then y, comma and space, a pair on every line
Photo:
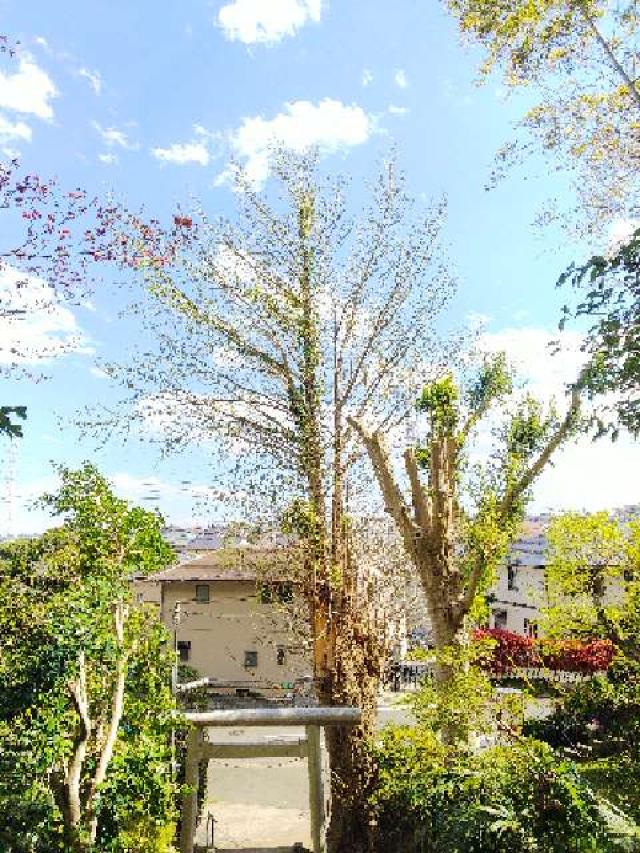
531, 548
234, 564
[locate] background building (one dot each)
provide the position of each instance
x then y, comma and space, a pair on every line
236, 616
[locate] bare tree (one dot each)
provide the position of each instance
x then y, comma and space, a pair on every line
269, 330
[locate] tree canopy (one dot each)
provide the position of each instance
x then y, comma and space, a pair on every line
609, 288
580, 55
462, 514
593, 579
86, 706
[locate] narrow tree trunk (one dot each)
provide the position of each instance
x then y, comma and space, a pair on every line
351, 826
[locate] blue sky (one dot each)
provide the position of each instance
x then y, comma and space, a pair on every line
151, 100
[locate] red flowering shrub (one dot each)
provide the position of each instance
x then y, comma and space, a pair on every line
513, 650
510, 649
577, 656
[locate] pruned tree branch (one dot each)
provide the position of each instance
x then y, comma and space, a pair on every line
515, 492
395, 503
421, 502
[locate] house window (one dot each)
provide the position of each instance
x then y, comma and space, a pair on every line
284, 591
511, 578
250, 660
280, 655
531, 629
184, 650
202, 593
628, 575
500, 619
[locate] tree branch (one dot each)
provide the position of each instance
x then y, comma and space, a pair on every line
536, 468
421, 503
395, 503
117, 708
78, 691
615, 64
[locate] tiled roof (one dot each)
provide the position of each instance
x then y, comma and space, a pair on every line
235, 564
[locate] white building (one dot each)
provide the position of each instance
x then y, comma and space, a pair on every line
519, 593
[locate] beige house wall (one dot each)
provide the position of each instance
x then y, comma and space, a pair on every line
146, 592
234, 622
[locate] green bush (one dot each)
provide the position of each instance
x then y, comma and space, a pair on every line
600, 716
432, 799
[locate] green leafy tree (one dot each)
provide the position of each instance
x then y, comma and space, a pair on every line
593, 590
581, 55
519, 797
84, 680
610, 299
593, 579
460, 520
7, 425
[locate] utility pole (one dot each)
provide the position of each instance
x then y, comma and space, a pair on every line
176, 618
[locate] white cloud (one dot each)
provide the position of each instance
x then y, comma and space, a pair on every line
94, 78
529, 352
39, 328
183, 153
590, 476
113, 137
18, 515
620, 232
29, 90
181, 502
145, 488
109, 159
266, 21
400, 78
397, 111
10, 133
367, 77
585, 474
329, 125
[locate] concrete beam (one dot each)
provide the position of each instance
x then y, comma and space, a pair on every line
256, 749
339, 716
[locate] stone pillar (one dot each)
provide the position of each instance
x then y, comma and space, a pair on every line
190, 799
316, 792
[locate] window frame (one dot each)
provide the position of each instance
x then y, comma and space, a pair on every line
284, 592
208, 589
502, 611
251, 655
183, 648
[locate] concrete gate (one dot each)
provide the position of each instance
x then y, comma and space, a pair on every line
307, 747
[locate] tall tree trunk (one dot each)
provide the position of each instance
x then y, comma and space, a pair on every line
342, 669
356, 681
